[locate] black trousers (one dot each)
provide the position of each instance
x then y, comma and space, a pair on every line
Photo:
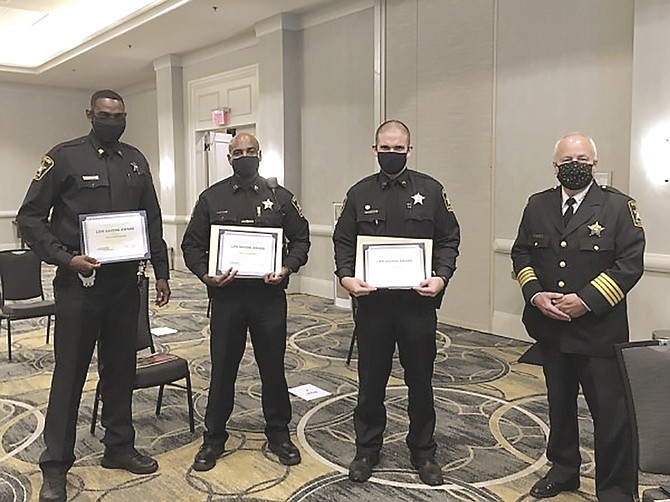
602, 385
384, 319
260, 308
107, 314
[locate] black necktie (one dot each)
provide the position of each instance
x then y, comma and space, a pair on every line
569, 211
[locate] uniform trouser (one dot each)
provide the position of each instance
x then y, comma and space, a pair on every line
602, 385
383, 320
260, 308
106, 313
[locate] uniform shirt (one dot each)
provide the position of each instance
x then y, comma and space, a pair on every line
253, 203
598, 256
83, 176
412, 205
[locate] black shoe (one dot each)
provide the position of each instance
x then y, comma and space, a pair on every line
429, 471
53, 487
131, 461
360, 469
286, 451
206, 457
546, 488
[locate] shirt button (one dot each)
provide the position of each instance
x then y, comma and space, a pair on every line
596, 247
536, 244
561, 264
561, 284
564, 244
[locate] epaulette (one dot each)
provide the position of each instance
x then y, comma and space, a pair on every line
69, 143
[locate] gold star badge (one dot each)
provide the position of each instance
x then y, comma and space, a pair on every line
418, 198
595, 229
267, 204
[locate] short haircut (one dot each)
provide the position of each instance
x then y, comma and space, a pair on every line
393, 124
105, 93
576, 133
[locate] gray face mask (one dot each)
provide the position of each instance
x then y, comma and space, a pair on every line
575, 175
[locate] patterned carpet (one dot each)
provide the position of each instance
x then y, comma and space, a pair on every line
491, 429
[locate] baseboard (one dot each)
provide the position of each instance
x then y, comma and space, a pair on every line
317, 287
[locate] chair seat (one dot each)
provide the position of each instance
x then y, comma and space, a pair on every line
158, 369
28, 310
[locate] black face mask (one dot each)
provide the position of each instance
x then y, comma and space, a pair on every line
575, 175
109, 129
391, 162
246, 167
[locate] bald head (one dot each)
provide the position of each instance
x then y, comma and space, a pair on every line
244, 144
575, 146
393, 126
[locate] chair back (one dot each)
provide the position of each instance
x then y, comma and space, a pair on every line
144, 339
646, 370
21, 275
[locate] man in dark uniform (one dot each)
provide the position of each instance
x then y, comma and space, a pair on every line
94, 302
396, 202
578, 253
257, 304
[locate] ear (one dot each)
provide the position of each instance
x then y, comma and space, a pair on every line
409, 150
374, 150
89, 114
260, 155
230, 159
555, 168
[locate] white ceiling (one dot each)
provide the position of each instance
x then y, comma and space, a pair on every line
123, 55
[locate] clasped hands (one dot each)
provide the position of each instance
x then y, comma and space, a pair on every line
218, 281
559, 306
357, 287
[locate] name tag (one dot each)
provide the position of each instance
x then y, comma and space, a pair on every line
90, 177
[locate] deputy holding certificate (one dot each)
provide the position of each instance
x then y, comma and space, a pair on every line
244, 298
402, 203
94, 174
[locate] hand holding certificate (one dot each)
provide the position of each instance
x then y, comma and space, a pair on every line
252, 251
393, 262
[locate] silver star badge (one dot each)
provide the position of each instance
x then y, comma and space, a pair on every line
418, 198
267, 204
595, 229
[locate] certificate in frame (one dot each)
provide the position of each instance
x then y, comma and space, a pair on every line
393, 262
252, 251
115, 237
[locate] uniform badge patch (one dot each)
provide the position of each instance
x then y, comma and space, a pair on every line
595, 229
296, 205
45, 164
634, 213
447, 202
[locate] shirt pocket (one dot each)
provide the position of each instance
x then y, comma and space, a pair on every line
91, 193
538, 241
596, 244
419, 222
370, 221
270, 219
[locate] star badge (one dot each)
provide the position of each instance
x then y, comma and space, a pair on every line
418, 198
595, 229
267, 204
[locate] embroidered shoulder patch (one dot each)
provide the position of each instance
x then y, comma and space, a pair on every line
296, 205
634, 213
45, 164
447, 202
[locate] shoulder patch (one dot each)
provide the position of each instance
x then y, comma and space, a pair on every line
297, 207
45, 164
447, 202
634, 213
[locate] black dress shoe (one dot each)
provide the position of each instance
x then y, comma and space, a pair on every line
53, 487
429, 472
286, 451
206, 457
360, 469
546, 488
131, 461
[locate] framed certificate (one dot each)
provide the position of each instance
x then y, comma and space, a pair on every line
115, 237
252, 251
393, 262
